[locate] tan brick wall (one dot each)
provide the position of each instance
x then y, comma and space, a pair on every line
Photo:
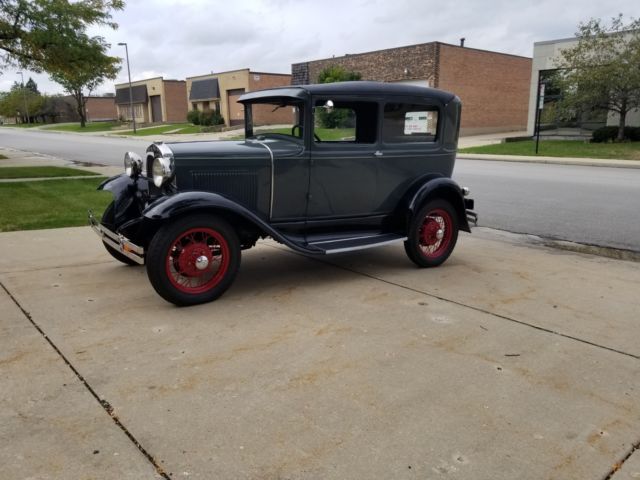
175, 109
383, 65
263, 114
493, 87
101, 108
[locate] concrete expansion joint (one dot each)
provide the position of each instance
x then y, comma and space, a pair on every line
618, 465
464, 305
106, 406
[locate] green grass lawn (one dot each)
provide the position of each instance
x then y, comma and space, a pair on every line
22, 125
89, 127
51, 204
41, 172
325, 134
162, 129
562, 148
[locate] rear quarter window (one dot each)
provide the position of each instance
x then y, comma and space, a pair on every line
409, 122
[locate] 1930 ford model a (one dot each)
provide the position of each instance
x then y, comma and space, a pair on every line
362, 164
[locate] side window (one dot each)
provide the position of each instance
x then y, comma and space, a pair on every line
347, 122
404, 122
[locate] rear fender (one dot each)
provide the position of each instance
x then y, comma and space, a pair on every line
431, 188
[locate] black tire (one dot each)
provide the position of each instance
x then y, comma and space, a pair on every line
171, 259
424, 245
108, 220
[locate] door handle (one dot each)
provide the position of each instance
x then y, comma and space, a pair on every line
378, 153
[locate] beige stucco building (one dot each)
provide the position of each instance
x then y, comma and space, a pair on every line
155, 100
546, 57
220, 91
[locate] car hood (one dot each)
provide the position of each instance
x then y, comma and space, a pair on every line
245, 149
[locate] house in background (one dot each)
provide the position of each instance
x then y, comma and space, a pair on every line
220, 92
155, 100
493, 86
546, 58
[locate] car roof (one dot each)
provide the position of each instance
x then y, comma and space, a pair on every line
349, 88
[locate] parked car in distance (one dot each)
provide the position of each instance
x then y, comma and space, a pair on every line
359, 165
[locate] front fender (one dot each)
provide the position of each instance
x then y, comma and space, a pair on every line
125, 191
167, 208
439, 187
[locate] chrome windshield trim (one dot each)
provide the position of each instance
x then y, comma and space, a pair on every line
272, 175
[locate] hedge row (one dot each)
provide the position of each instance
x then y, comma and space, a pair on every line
610, 134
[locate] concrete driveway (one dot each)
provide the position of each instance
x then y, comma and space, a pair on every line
510, 361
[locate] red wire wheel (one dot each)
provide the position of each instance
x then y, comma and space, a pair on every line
193, 260
433, 234
197, 260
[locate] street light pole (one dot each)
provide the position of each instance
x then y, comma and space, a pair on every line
24, 96
133, 117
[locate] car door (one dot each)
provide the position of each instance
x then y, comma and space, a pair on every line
344, 158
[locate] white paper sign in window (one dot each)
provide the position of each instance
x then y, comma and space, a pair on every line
418, 122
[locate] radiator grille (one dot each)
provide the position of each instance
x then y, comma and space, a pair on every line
240, 185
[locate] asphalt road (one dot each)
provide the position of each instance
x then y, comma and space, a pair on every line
593, 205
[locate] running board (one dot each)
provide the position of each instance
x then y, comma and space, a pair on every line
329, 247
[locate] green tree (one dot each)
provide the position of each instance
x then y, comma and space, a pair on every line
339, 117
84, 66
14, 101
602, 72
37, 34
32, 85
336, 73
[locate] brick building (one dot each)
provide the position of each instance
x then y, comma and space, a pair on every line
493, 86
220, 91
101, 109
155, 100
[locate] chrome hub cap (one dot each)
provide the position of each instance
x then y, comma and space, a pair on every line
202, 262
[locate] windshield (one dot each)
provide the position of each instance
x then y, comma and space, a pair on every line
274, 116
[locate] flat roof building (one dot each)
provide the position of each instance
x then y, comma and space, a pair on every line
155, 100
220, 92
493, 86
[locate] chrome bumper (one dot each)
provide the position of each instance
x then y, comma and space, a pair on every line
117, 241
472, 217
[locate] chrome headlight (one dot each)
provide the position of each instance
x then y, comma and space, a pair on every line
161, 170
132, 164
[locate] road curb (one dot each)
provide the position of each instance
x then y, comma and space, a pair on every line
587, 162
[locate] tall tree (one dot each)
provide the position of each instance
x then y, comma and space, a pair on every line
37, 34
602, 72
32, 85
84, 66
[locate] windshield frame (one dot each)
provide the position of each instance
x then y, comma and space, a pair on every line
275, 101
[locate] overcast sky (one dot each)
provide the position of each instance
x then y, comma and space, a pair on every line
177, 39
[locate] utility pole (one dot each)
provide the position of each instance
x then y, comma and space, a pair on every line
24, 96
133, 117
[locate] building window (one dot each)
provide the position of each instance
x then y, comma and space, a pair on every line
409, 123
194, 106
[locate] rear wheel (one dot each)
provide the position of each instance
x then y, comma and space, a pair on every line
193, 260
108, 220
433, 234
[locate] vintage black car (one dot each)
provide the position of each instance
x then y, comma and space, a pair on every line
360, 165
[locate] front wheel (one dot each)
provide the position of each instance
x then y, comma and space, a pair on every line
193, 260
433, 234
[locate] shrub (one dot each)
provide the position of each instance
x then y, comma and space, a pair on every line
211, 117
610, 134
194, 117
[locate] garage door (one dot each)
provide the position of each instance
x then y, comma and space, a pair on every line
236, 110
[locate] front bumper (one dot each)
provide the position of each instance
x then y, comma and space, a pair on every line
472, 217
116, 241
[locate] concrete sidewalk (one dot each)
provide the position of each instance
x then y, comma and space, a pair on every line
510, 361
